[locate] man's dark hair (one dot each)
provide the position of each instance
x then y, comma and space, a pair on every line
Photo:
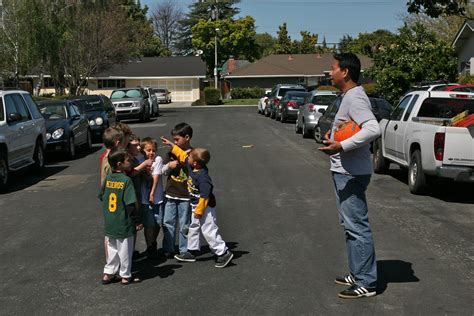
182, 129
115, 156
350, 62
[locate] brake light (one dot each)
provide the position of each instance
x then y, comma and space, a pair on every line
439, 146
311, 107
462, 96
291, 104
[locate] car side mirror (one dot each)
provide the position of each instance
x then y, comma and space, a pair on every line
322, 111
14, 117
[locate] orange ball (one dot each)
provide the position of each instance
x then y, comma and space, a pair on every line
346, 130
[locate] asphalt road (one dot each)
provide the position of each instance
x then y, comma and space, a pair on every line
276, 211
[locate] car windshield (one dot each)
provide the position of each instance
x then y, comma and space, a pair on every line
299, 97
53, 111
324, 99
282, 91
122, 94
445, 108
90, 105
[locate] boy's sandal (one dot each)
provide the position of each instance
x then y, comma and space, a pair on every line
109, 278
133, 279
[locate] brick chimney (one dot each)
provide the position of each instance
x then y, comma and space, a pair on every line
231, 64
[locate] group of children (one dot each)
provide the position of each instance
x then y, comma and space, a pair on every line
134, 198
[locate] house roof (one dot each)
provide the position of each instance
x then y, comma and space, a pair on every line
296, 65
463, 35
157, 67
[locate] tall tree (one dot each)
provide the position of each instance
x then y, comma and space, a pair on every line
416, 55
367, 43
344, 43
233, 38
266, 44
166, 16
436, 8
308, 42
284, 44
202, 10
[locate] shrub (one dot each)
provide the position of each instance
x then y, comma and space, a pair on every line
327, 88
247, 93
198, 102
466, 79
212, 96
370, 88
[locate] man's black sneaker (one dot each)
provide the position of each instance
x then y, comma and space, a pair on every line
347, 280
224, 259
135, 255
356, 291
185, 257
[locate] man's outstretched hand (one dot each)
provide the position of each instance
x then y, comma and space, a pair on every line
332, 147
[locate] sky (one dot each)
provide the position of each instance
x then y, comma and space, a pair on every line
327, 18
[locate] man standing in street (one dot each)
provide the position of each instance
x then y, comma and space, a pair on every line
351, 169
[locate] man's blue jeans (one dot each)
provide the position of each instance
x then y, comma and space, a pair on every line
352, 206
176, 209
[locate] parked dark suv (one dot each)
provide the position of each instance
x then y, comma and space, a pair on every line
99, 111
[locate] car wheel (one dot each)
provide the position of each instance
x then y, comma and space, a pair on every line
71, 150
381, 164
38, 157
305, 131
416, 177
3, 172
317, 134
297, 127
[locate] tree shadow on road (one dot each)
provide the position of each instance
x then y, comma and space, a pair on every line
208, 255
150, 268
442, 189
394, 271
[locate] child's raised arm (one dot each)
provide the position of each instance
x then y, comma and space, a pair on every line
178, 152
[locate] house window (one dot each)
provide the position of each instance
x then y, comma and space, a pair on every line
110, 83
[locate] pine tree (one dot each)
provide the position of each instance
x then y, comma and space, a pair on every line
284, 44
202, 10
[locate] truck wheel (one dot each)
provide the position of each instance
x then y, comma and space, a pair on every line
3, 172
317, 134
381, 165
416, 177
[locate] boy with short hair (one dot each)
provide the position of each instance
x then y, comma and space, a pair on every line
152, 197
177, 205
120, 218
112, 138
203, 202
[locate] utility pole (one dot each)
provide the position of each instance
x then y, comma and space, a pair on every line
215, 16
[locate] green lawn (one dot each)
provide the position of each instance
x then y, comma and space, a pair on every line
241, 102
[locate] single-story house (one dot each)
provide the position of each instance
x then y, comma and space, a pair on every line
182, 76
463, 45
305, 69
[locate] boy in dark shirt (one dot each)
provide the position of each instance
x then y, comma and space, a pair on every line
203, 203
177, 205
121, 218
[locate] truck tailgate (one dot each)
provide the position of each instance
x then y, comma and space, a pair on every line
459, 147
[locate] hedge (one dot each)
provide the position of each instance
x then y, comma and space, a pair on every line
247, 93
212, 96
466, 79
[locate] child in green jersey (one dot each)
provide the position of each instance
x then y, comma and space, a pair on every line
121, 218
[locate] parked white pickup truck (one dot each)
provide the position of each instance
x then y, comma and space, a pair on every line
418, 135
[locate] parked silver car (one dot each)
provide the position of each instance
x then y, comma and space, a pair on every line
131, 103
22, 134
163, 95
309, 113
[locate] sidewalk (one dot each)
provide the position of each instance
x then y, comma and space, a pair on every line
182, 105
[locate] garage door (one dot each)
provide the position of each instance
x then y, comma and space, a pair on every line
181, 89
